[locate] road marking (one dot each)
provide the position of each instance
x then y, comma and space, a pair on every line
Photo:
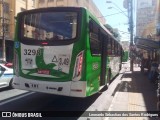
19, 97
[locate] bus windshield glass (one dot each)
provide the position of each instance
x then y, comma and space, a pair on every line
50, 25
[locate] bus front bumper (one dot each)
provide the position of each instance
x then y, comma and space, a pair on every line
69, 88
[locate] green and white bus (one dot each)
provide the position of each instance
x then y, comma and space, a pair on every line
125, 56
64, 51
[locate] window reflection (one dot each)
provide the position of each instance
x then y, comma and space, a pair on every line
50, 26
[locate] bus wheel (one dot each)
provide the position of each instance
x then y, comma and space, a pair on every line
10, 83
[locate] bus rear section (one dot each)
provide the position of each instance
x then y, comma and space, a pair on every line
49, 56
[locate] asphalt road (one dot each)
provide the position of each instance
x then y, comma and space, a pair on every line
20, 101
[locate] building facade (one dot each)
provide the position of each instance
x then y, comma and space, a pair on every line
9, 10
12, 7
146, 18
89, 4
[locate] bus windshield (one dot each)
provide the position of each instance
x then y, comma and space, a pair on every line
50, 25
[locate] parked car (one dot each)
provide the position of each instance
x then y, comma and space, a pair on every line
8, 64
6, 76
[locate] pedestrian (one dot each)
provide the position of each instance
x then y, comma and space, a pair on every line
142, 64
138, 61
148, 64
153, 74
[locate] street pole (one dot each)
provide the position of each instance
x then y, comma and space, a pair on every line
3, 33
130, 13
129, 6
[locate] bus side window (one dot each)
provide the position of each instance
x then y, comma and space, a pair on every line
94, 38
116, 49
90, 26
109, 47
119, 50
113, 49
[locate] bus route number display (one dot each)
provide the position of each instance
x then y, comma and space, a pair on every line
63, 60
32, 52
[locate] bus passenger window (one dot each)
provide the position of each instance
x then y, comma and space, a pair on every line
94, 38
119, 50
113, 51
116, 49
109, 47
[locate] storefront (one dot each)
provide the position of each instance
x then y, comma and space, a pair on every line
9, 50
151, 47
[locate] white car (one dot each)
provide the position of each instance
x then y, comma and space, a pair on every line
6, 76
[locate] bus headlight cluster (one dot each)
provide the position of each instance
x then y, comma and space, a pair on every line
78, 67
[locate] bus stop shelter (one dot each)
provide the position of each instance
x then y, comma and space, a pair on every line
152, 47
147, 44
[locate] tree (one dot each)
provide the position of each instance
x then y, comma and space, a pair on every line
115, 32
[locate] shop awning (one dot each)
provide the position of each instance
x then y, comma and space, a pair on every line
147, 44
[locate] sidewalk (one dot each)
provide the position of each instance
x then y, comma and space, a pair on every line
135, 93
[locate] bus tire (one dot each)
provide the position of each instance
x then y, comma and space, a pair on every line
10, 84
